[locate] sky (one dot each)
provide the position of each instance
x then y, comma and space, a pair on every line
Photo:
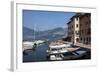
45, 20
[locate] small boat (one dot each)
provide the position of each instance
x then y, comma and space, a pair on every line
27, 45
57, 47
56, 50
31, 45
56, 57
61, 52
77, 54
38, 42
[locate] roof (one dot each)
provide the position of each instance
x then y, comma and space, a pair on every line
69, 22
77, 15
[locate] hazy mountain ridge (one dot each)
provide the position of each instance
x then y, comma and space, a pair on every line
27, 31
48, 34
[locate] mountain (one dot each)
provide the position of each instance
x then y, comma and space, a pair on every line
27, 33
53, 34
59, 31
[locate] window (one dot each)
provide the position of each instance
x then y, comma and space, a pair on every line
77, 18
82, 32
80, 25
72, 26
77, 25
77, 32
87, 40
81, 39
89, 31
84, 40
86, 22
77, 39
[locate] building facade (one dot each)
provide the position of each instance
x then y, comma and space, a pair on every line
73, 29
79, 28
85, 29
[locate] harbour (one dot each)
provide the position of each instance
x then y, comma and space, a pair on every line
64, 36
40, 54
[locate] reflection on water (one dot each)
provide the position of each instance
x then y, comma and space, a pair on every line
39, 54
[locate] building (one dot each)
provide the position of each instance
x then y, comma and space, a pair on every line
73, 29
85, 28
79, 30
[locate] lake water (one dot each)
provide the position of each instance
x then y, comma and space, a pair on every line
39, 54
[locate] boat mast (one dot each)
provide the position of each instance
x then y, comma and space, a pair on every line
34, 32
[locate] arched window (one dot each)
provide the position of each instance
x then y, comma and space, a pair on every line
77, 39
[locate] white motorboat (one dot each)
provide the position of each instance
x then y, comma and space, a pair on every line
38, 42
55, 57
56, 49
30, 45
27, 45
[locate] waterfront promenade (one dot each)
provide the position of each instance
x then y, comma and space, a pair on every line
83, 45
79, 45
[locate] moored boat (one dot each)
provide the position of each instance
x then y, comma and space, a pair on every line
28, 45
56, 50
